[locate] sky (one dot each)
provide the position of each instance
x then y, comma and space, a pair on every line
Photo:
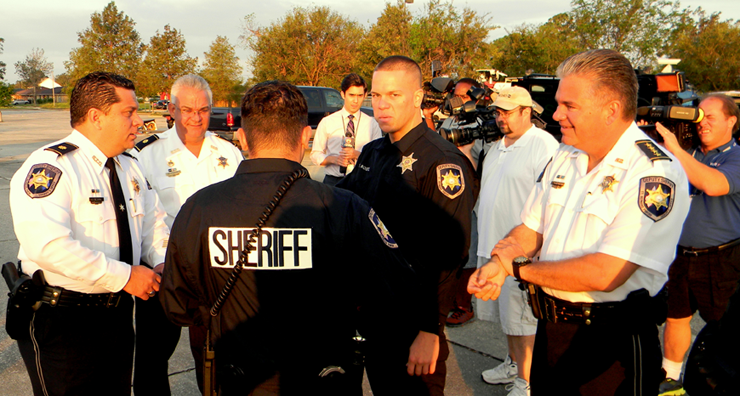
53, 25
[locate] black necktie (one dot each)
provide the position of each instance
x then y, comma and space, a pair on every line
126, 249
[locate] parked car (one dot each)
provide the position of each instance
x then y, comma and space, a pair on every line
323, 101
162, 104
21, 102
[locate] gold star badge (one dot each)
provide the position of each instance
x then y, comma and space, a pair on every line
39, 179
608, 183
135, 183
657, 197
406, 163
450, 180
223, 162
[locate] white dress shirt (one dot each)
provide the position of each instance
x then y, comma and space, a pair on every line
176, 173
71, 233
330, 134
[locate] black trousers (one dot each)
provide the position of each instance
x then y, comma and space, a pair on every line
156, 340
614, 358
80, 351
332, 180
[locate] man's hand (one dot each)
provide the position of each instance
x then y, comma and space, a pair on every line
669, 139
141, 282
507, 250
350, 154
423, 354
487, 280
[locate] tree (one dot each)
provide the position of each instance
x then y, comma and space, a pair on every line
222, 69
6, 95
309, 46
708, 49
390, 35
456, 39
636, 28
166, 60
110, 44
33, 69
2, 64
539, 48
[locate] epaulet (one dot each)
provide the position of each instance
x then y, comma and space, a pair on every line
62, 148
129, 155
652, 151
539, 179
222, 137
151, 139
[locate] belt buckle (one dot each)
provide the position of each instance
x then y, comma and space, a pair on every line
113, 300
690, 253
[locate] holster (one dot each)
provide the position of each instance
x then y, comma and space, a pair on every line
533, 298
24, 299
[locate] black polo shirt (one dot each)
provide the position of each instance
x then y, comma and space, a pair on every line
424, 189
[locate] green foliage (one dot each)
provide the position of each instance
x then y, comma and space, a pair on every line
110, 44
2, 64
6, 90
536, 48
222, 70
390, 35
309, 46
34, 68
708, 49
455, 38
166, 60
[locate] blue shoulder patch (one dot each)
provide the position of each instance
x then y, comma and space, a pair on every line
41, 180
656, 197
450, 180
382, 231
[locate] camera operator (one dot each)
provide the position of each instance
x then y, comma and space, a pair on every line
707, 265
510, 170
461, 91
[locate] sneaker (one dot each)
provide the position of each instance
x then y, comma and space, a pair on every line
460, 317
520, 387
504, 373
671, 387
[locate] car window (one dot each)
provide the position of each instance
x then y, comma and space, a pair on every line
333, 99
312, 99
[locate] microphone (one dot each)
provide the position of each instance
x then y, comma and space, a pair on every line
347, 142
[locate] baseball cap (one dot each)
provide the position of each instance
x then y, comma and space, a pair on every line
510, 98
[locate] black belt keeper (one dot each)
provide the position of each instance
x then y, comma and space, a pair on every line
59, 297
556, 310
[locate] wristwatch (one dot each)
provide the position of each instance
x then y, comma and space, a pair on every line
517, 263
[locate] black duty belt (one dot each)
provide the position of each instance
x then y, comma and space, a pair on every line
60, 297
556, 310
693, 252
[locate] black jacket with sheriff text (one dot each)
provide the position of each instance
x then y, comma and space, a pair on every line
322, 254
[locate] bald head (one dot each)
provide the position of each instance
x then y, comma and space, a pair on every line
401, 63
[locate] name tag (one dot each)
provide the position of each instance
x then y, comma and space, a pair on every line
275, 248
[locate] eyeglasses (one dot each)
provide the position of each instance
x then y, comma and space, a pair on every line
188, 112
506, 114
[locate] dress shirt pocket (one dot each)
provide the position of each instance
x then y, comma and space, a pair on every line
600, 207
90, 228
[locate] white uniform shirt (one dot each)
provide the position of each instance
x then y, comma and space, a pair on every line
176, 173
69, 236
330, 136
583, 216
509, 174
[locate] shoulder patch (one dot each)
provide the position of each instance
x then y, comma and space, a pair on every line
41, 180
151, 139
450, 180
652, 151
656, 197
62, 148
382, 231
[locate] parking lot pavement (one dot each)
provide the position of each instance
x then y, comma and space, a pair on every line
475, 347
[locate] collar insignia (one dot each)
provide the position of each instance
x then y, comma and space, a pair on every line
608, 183
406, 163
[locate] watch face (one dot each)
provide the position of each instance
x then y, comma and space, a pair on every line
521, 260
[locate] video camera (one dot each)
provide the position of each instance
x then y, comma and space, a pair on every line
668, 98
476, 119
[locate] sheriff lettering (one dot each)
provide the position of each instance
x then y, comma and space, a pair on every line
273, 248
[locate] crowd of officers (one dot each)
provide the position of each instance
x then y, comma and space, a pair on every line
286, 283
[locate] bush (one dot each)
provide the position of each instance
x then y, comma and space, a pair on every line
6, 91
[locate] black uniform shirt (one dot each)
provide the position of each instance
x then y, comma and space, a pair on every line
323, 252
424, 189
